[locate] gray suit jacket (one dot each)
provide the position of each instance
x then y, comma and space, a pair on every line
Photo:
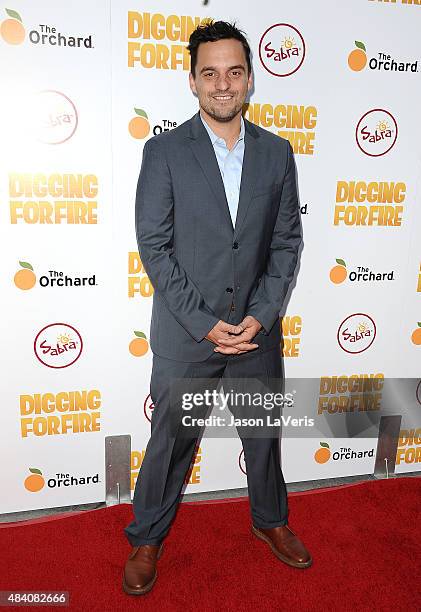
201, 267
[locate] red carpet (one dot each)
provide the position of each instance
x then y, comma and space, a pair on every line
365, 540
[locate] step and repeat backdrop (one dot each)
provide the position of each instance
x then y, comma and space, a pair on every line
84, 86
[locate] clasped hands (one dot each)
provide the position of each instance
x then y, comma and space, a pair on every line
234, 339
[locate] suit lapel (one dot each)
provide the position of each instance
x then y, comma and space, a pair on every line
249, 173
205, 155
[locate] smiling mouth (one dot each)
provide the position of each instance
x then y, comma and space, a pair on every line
223, 98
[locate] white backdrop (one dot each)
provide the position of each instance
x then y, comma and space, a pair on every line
84, 87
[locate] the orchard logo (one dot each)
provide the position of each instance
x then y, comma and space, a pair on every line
55, 117
376, 132
242, 463
140, 125
356, 333
357, 61
25, 277
416, 334
35, 481
148, 408
322, 454
13, 32
11, 29
339, 273
58, 345
282, 49
139, 345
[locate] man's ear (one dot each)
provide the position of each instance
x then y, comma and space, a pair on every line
250, 81
192, 83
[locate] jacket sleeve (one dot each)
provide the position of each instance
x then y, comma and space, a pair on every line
154, 233
266, 302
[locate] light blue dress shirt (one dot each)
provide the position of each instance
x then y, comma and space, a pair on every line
230, 165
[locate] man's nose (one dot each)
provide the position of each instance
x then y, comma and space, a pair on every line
222, 83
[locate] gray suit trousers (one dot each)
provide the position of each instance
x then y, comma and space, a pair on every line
168, 457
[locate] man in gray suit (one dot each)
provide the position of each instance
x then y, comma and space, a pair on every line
218, 230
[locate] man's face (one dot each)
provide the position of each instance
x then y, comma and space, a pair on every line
221, 81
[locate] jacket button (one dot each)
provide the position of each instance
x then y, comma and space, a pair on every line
233, 306
229, 289
235, 245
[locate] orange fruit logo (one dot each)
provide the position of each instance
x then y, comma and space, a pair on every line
35, 481
12, 30
139, 126
338, 273
139, 346
322, 454
357, 59
25, 277
416, 334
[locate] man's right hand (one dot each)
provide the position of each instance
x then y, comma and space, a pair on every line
224, 331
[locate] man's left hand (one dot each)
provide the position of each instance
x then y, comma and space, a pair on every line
241, 343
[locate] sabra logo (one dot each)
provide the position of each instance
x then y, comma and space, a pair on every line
324, 454
35, 482
376, 132
357, 61
242, 463
25, 278
58, 345
148, 408
356, 333
282, 49
55, 117
416, 334
139, 126
339, 273
13, 32
139, 346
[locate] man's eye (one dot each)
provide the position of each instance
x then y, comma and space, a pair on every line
209, 74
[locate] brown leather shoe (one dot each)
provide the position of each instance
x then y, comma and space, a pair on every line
140, 570
285, 545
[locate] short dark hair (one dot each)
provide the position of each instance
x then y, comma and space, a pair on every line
212, 31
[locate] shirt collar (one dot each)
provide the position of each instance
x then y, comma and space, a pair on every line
214, 137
